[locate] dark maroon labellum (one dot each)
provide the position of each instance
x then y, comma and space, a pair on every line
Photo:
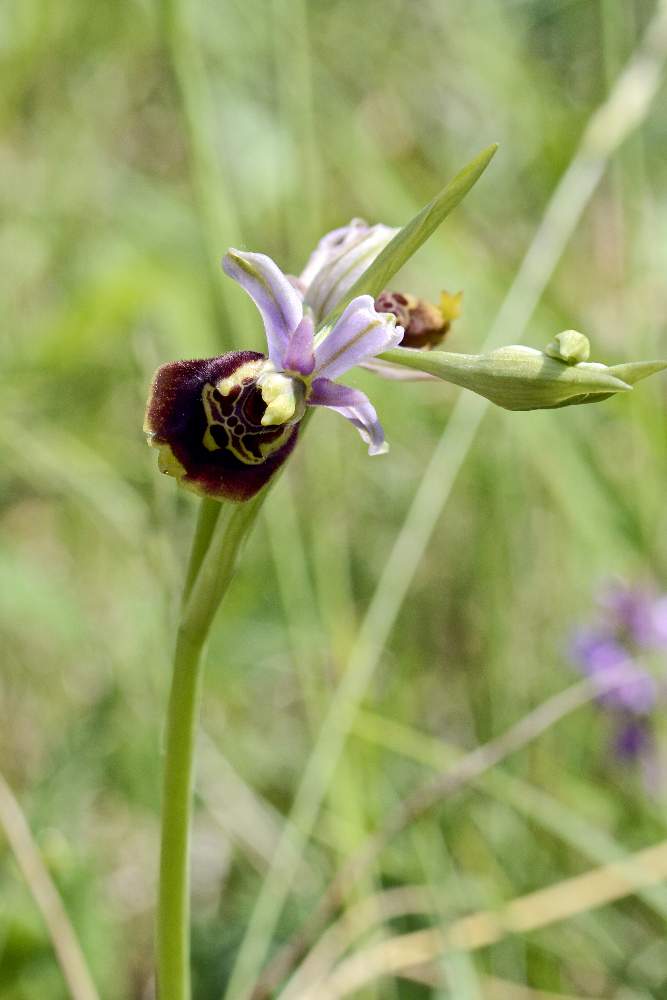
205, 418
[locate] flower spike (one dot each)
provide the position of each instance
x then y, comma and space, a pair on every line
223, 426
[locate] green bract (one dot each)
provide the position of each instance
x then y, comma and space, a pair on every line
522, 378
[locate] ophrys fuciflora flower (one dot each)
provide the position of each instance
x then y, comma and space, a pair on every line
224, 425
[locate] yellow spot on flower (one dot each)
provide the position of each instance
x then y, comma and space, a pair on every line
451, 306
246, 373
168, 463
279, 396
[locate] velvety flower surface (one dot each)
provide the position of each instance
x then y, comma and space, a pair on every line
224, 425
627, 646
205, 417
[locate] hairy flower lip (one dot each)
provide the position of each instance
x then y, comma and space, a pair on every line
225, 455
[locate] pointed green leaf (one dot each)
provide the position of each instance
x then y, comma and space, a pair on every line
630, 373
635, 371
406, 242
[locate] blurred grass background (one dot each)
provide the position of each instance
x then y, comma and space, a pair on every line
138, 142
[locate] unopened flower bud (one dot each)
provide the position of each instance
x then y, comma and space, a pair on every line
569, 346
519, 377
425, 323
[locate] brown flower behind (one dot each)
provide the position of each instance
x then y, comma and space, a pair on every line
426, 325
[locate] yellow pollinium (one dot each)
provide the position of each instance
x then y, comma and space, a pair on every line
278, 394
284, 397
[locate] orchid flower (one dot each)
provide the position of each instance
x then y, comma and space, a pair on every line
224, 425
339, 259
627, 640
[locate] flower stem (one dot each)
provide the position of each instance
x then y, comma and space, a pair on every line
173, 931
207, 518
216, 546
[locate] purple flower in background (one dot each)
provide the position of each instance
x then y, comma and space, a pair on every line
633, 739
625, 652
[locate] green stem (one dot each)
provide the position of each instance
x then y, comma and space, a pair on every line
173, 929
207, 518
215, 551
221, 531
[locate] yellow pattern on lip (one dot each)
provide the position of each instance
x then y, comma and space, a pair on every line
250, 370
239, 436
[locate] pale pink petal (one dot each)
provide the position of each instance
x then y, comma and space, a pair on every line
339, 259
355, 406
277, 300
299, 356
358, 335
